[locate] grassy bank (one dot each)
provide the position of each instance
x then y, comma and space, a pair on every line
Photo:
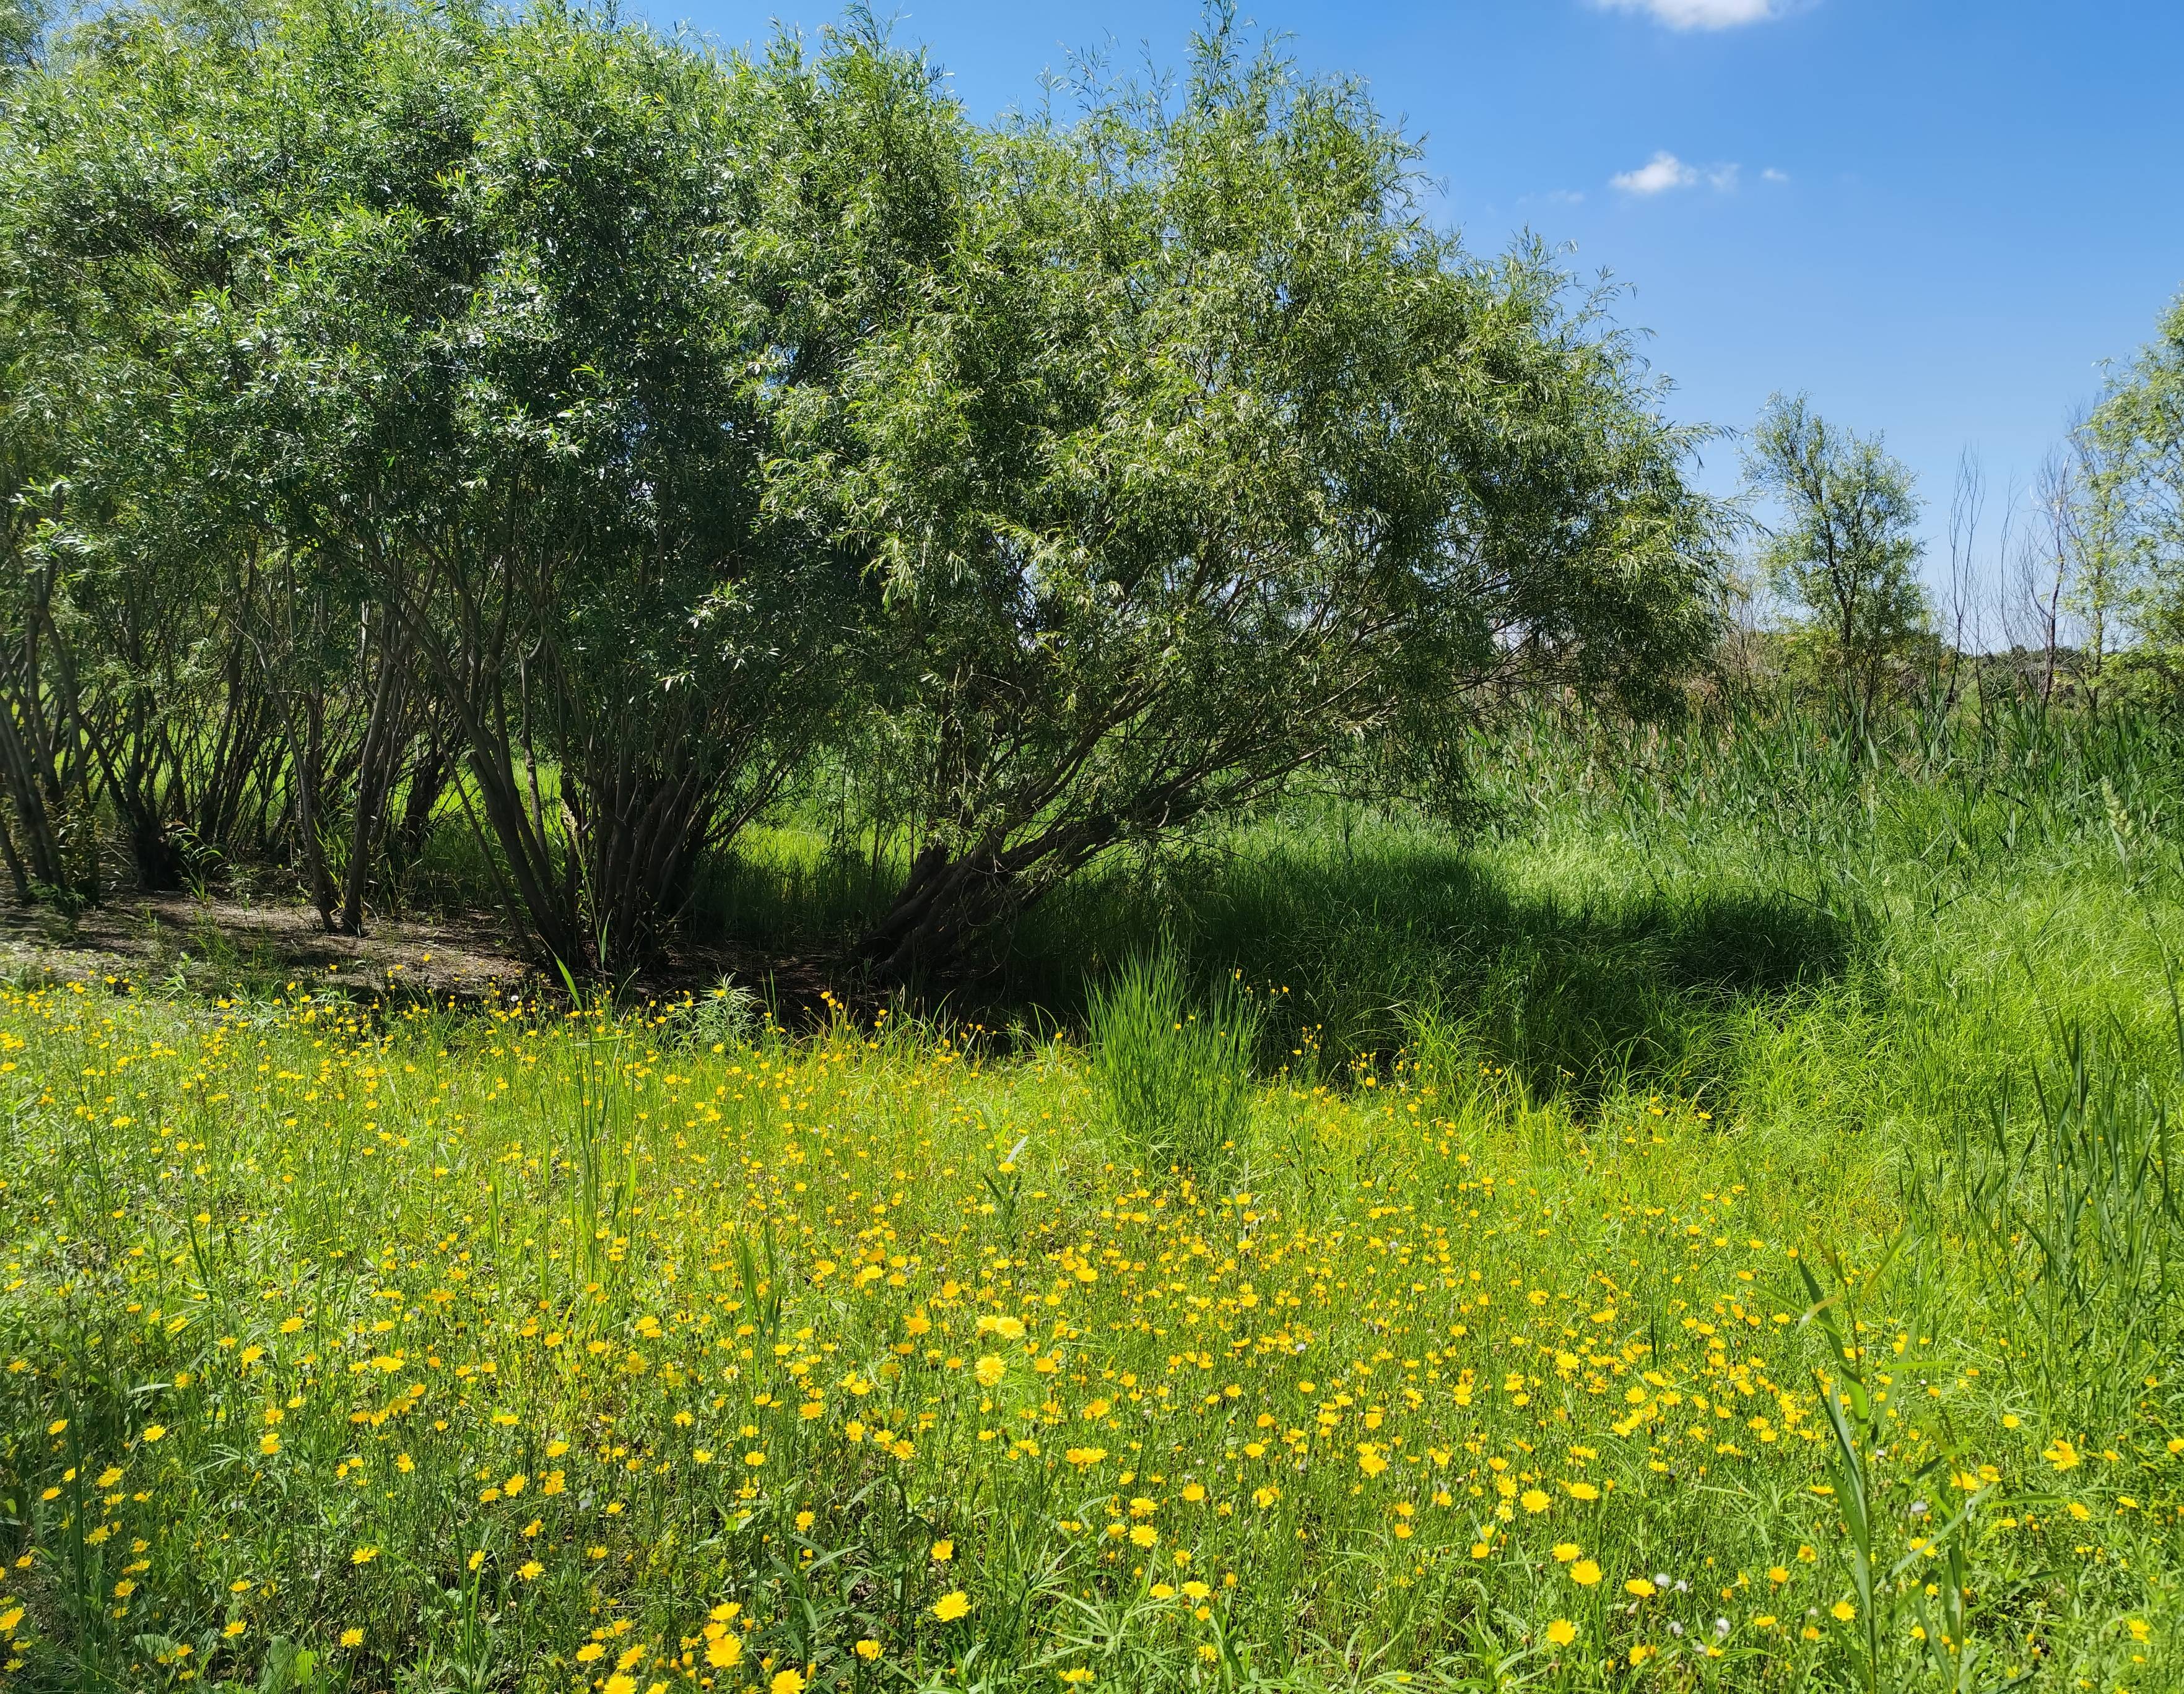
1678, 1240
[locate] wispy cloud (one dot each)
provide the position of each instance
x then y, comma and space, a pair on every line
1771, 175
1664, 173
1657, 176
1701, 15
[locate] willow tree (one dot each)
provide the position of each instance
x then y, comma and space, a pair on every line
2135, 457
1844, 553
213, 221
1210, 461
673, 246
434, 358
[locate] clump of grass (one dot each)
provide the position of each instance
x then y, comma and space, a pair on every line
1175, 1082
727, 1015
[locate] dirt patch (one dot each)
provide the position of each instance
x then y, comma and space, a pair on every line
217, 944
213, 945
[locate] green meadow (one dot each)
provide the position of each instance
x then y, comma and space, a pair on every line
1710, 1225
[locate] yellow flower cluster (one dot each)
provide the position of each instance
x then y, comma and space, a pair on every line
744, 1366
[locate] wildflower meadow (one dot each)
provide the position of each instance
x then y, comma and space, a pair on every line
817, 881
359, 1341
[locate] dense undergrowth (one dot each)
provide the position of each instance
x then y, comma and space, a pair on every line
1714, 1229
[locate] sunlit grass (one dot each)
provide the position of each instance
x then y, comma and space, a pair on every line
539, 1351
1494, 1333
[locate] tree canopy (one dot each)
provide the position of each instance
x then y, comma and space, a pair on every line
1210, 460
414, 411
2137, 441
1846, 551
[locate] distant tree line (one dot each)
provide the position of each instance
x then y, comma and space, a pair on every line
412, 413
2088, 599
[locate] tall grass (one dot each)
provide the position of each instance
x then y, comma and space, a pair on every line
1748, 1164
1174, 1079
2059, 1204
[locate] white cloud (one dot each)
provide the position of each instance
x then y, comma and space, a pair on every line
1771, 175
1701, 15
1659, 174
1665, 172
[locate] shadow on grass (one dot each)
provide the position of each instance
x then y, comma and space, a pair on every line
1366, 946
1365, 953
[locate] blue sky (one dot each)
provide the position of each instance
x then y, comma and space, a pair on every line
1936, 216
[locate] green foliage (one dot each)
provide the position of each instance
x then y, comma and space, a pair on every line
1976, 1405
22, 31
1212, 462
415, 414
1174, 1080
2136, 435
489, 357
1845, 553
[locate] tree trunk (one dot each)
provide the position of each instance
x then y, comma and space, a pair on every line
945, 903
30, 801
311, 757
23, 895
375, 777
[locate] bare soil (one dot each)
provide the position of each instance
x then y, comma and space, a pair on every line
216, 945
141, 938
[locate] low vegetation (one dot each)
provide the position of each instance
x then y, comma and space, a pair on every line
1755, 1266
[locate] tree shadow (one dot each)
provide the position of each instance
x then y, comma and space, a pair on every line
1363, 954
